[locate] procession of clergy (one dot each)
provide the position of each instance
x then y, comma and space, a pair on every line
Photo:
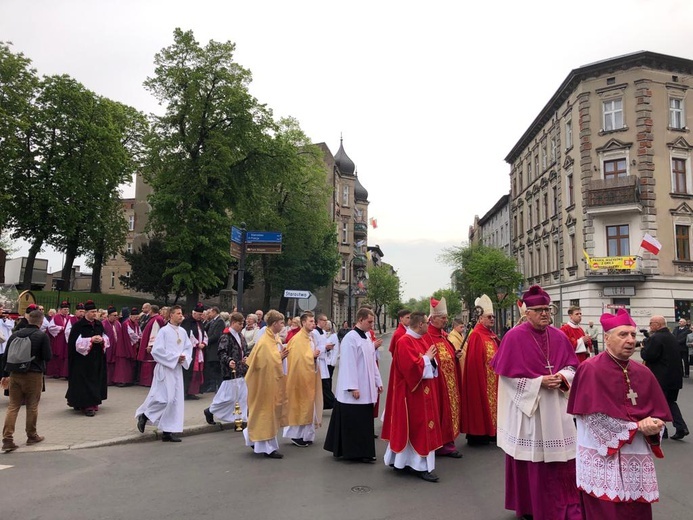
526, 393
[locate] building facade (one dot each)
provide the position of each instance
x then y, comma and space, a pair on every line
494, 226
607, 161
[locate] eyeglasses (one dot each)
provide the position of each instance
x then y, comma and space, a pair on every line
540, 310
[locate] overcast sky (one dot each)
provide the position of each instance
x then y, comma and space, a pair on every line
429, 96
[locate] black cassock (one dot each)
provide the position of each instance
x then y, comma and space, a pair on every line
86, 382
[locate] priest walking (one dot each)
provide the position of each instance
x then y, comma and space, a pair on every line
581, 342
351, 434
620, 412
536, 365
164, 404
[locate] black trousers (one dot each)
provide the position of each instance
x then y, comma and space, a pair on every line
212, 376
595, 346
677, 419
686, 363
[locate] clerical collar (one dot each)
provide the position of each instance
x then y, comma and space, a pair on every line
320, 331
412, 333
360, 332
573, 324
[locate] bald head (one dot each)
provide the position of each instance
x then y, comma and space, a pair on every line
657, 322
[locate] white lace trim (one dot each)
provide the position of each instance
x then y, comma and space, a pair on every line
608, 432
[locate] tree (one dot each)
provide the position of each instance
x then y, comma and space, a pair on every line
452, 299
147, 265
201, 156
288, 195
484, 270
383, 289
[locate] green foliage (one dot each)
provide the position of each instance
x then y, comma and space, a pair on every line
383, 288
484, 270
453, 301
147, 265
202, 156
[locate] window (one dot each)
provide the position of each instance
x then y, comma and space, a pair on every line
543, 158
676, 115
573, 250
522, 222
127, 275
529, 172
531, 264
131, 223
569, 189
555, 200
615, 168
613, 114
112, 279
617, 240
344, 270
546, 205
536, 166
557, 255
678, 168
345, 232
568, 134
540, 264
554, 149
530, 223
683, 243
515, 225
128, 247
536, 208
345, 196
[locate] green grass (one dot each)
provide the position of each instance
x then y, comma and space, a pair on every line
49, 299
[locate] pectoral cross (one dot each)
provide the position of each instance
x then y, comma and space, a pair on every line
632, 395
549, 367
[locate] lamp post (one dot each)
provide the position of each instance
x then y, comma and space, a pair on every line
351, 271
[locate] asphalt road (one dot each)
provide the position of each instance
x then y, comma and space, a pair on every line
214, 476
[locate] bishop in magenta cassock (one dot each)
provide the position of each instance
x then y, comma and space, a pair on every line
112, 328
620, 411
57, 366
536, 365
144, 356
412, 416
479, 396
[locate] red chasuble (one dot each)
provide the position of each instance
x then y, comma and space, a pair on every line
574, 334
399, 332
447, 382
411, 401
479, 396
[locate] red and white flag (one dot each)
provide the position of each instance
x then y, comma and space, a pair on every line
374, 223
651, 244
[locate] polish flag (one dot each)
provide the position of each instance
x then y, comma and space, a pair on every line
651, 244
374, 223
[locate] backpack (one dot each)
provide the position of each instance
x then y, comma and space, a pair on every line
19, 356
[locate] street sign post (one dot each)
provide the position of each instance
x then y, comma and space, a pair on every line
236, 235
235, 250
290, 293
267, 249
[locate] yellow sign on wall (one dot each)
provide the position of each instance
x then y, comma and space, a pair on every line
612, 262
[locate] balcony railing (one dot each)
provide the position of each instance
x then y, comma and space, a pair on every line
360, 261
613, 192
360, 230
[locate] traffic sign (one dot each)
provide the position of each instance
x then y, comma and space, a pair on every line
236, 235
268, 249
235, 250
265, 237
290, 293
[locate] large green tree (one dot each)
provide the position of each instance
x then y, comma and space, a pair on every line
202, 156
383, 289
484, 270
148, 265
290, 195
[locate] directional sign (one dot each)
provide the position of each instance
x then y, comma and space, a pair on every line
236, 235
268, 249
265, 237
235, 250
289, 293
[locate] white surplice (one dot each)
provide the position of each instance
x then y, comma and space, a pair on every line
522, 403
357, 370
164, 403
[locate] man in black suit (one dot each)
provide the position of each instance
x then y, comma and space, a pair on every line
681, 333
212, 370
661, 354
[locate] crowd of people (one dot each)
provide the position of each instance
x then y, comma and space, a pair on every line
585, 425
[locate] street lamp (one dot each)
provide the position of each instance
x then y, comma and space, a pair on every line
351, 274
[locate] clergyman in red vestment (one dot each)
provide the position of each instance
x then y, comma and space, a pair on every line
580, 341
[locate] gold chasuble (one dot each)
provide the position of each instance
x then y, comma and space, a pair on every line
303, 383
266, 393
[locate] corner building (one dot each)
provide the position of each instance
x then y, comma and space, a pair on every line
606, 161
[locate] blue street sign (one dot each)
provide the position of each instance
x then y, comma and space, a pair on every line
236, 235
271, 237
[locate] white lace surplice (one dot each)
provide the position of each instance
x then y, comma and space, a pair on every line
628, 474
532, 421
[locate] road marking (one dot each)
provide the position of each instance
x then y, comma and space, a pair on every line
5, 467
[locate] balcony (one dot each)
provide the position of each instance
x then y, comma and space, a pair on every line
620, 195
360, 230
360, 262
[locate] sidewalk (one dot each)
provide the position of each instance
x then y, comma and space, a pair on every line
114, 423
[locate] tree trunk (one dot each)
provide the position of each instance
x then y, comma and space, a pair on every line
96, 271
30, 261
70, 255
192, 300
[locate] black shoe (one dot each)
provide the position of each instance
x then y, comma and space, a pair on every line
209, 416
300, 443
453, 455
274, 455
169, 437
680, 434
429, 476
665, 435
141, 422
191, 397
90, 413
